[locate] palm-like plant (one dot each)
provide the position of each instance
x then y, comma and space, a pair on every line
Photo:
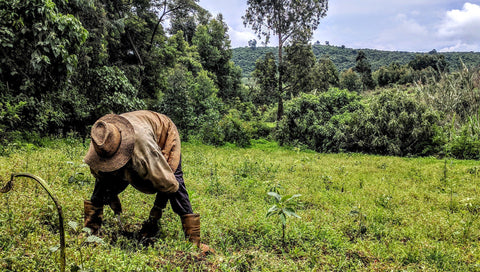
284, 207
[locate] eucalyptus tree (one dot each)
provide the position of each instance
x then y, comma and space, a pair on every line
286, 19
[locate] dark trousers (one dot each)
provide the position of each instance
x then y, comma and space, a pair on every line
109, 185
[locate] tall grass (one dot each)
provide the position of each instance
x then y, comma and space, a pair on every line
358, 213
454, 94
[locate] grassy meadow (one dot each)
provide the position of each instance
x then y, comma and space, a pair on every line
358, 213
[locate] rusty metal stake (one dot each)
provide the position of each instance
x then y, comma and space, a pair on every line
9, 186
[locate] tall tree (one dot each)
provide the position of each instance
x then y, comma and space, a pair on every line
299, 61
213, 46
286, 19
265, 75
173, 9
363, 67
325, 74
39, 51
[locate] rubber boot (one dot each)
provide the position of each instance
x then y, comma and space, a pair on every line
150, 226
191, 229
93, 216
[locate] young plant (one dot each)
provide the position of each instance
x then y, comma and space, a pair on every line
84, 236
77, 176
285, 206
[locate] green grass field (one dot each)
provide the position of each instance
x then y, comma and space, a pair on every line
358, 213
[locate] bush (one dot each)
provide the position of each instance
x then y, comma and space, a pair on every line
351, 81
393, 123
261, 129
466, 143
192, 103
235, 130
112, 92
210, 132
318, 122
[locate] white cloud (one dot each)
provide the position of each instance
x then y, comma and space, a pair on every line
403, 33
240, 38
408, 25
459, 46
463, 23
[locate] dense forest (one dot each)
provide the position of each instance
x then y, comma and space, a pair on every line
344, 58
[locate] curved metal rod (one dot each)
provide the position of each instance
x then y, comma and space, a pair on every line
9, 186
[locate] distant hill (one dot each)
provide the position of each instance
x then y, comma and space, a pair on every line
344, 58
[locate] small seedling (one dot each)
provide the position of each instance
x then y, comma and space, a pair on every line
77, 177
285, 206
84, 236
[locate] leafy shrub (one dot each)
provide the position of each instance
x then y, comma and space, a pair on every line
9, 113
261, 129
466, 143
235, 130
350, 80
393, 123
455, 94
210, 132
394, 74
113, 92
192, 103
318, 121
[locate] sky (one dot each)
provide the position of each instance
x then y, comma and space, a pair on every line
398, 25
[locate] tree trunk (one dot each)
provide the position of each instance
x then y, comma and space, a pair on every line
280, 79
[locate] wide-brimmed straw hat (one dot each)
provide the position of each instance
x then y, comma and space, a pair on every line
113, 139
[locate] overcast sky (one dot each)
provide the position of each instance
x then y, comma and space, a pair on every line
398, 25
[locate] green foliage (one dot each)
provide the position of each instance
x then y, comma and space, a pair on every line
325, 75
435, 61
319, 121
393, 123
362, 66
390, 123
114, 93
289, 20
465, 144
39, 52
394, 74
455, 94
284, 207
213, 46
9, 113
192, 103
298, 64
344, 58
234, 129
266, 77
39, 45
350, 80
246, 58
377, 214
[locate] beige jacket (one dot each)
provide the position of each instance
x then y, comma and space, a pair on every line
156, 153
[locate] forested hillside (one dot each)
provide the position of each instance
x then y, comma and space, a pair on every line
344, 58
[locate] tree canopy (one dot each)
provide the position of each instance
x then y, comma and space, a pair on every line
287, 19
